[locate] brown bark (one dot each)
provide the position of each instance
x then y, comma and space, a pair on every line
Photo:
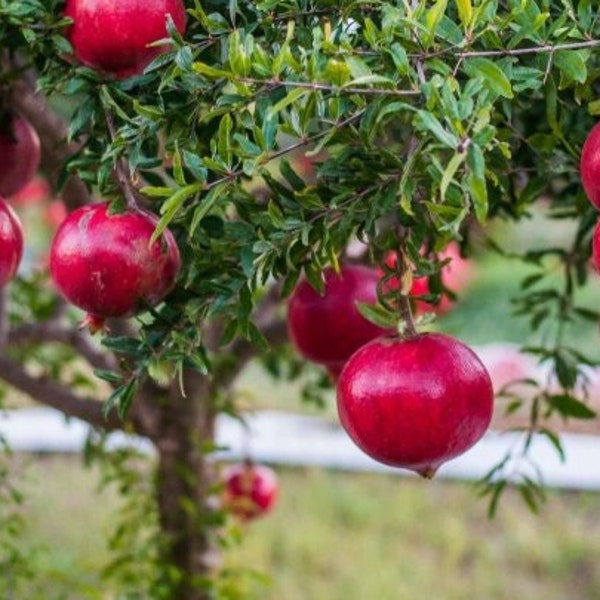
184, 480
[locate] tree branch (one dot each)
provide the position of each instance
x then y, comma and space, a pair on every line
47, 391
51, 331
53, 132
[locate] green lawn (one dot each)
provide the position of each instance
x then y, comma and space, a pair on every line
341, 536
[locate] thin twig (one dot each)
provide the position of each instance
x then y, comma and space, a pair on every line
122, 168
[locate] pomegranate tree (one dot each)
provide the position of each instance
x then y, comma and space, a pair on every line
116, 36
104, 263
327, 328
416, 402
11, 242
250, 490
19, 154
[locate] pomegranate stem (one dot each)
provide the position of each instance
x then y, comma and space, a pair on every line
408, 324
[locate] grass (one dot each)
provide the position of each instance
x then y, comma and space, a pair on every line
342, 536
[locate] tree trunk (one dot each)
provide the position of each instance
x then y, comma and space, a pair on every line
184, 482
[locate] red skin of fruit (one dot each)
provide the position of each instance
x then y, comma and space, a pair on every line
589, 166
251, 490
19, 155
113, 36
11, 242
327, 329
103, 263
415, 403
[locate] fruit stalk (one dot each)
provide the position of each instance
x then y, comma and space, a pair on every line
406, 326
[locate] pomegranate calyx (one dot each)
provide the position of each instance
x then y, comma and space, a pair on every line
427, 472
93, 323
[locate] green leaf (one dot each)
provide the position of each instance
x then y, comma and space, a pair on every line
107, 375
210, 72
433, 17
121, 399
572, 64
224, 139
425, 120
291, 97
465, 12
450, 171
378, 315
172, 205
206, 205
491, 73
568, 406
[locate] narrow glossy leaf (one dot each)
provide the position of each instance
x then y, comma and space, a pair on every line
169, 209
425, 120
224, 139
378, 315
491, 73
572, 63
210, 72
434, 16
569, 406
178, 173
450, 171
206, 205
291, 97
465, 12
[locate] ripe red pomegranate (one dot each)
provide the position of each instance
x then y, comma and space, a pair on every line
589, 166
250, 490
11, 242
103, 263
415, 403
328, 328
114, 36
19, 154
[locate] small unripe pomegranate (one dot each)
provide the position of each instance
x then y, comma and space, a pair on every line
415, 403
328, 328
104, 263
250, 490
589, 166
115, 36
19, 154
11, 242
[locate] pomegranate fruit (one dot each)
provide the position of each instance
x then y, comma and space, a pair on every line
589, 166
115, 36
104, 263
328, 328
250, 490
415, 403
11, 242
19, 154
